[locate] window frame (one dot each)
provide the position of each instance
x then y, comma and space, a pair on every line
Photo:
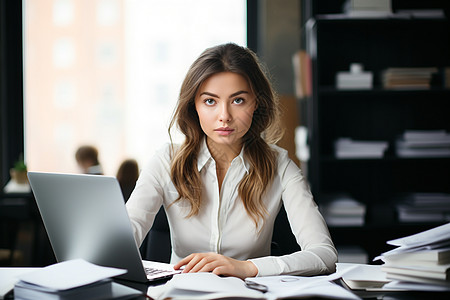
11, 86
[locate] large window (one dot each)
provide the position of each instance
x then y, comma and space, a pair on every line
108, 72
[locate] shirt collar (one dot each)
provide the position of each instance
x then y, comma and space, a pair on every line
204, 156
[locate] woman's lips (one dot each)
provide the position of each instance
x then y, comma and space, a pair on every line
224, 130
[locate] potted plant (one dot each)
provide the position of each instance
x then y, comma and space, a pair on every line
19, 172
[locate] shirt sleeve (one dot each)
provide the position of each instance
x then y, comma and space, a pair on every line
318, 254
148, 195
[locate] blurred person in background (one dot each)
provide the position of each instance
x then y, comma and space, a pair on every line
87, 160
127, 174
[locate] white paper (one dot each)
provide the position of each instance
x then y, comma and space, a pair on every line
437, 234
210, 286
69, 274
9, 277
204, 286
362, 272
297, 286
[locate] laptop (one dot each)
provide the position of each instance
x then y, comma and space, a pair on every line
85, 217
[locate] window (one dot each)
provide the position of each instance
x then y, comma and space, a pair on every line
108, 74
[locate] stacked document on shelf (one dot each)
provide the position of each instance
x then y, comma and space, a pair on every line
420, 261
423, 143
352, 254
424, 207
343, 210
348, 148
73, 279
407, 78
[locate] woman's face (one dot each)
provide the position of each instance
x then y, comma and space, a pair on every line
225, 104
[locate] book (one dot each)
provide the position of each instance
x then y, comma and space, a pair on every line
352, 254
429, 271
415, 260
416, 279
424, 134
301, 62
423, 143
363, 277
343, 210
407, 78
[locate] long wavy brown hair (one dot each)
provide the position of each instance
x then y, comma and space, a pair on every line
264, 129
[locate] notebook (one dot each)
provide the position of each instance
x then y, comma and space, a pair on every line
85, 217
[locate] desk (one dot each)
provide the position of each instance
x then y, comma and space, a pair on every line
16, 210
8, 279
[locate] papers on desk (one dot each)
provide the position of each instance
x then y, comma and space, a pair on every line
363, 277
420, 261
210, 286
73, 279
9, 277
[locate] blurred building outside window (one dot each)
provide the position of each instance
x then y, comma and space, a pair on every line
108, 73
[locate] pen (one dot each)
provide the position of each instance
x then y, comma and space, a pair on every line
256, 286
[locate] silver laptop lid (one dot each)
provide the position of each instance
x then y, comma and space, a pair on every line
85, 217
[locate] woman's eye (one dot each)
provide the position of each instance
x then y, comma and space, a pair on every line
210, 101
238, 100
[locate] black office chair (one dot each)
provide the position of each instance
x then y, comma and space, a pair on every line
156, 245
283, 240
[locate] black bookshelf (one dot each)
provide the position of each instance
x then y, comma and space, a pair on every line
334, 42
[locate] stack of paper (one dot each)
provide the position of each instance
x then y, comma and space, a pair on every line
420, 261
423, 143
73, 279
348, 148
424, 207
408, 78
343, 210
362, 276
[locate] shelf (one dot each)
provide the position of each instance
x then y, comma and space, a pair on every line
378, 91
386, 226
391, 18
336, 41
386, 159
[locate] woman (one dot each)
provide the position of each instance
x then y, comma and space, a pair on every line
223, 187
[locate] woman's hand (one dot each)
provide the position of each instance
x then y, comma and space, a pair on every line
217, 264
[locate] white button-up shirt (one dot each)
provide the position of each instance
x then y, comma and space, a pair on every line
223, 225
